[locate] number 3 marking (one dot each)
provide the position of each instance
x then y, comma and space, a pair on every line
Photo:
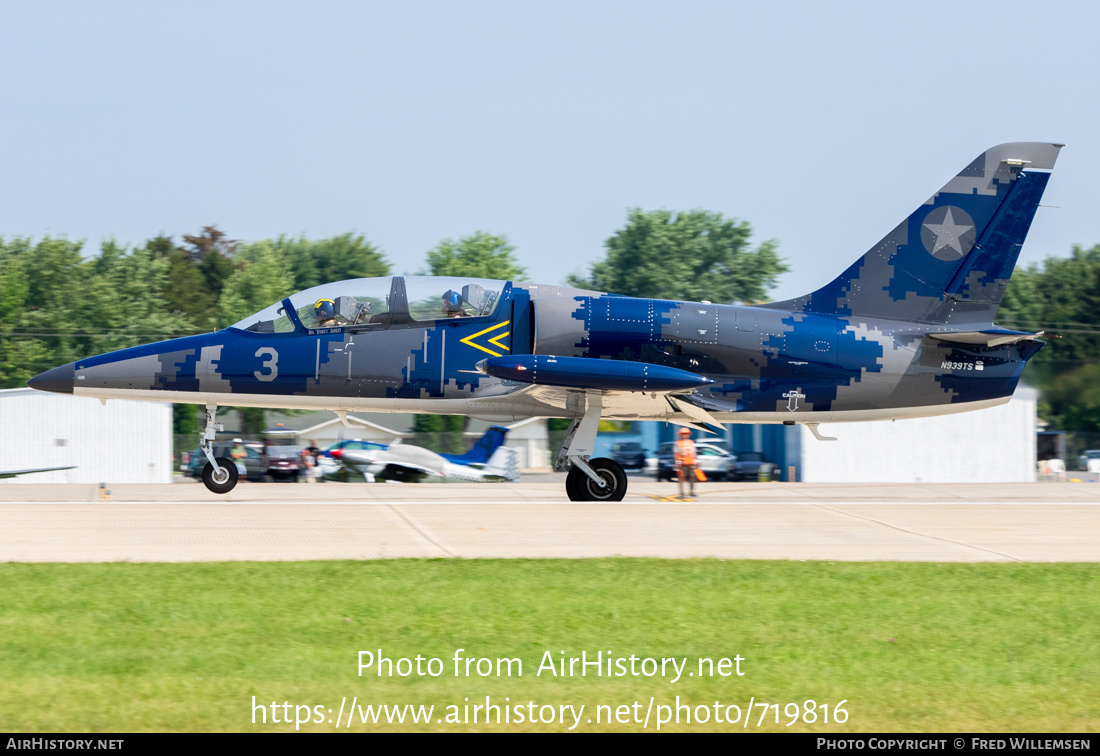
272, 363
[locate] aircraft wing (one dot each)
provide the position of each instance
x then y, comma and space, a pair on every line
396, 462
403, 470
13, 473
555, 384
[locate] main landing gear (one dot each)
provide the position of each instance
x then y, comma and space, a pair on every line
609, 484
599, 479
220, 474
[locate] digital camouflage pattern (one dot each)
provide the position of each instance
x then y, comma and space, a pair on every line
907, 330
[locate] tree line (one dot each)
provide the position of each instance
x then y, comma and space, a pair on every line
1061, 298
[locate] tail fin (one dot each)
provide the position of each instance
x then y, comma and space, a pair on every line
483, 449
950, 260
504, 465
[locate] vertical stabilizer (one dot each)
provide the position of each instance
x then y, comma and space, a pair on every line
950, 260
483, 450
504, 464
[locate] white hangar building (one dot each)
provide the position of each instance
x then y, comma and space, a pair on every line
131, 442
995, 445
117, 442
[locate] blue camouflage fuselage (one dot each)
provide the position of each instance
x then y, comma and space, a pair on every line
765, 364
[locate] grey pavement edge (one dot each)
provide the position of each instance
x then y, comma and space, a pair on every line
911, 522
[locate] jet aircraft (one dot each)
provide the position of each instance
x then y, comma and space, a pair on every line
488, 460
906, 331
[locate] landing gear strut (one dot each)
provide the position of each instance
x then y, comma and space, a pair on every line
220, 474
599, 479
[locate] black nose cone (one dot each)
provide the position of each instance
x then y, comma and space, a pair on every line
59, 380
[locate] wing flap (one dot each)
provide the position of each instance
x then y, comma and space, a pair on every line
698, 416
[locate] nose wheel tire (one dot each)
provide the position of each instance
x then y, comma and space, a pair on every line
580, 487
222, 481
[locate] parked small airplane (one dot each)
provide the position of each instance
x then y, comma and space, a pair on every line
906, 331
488, 460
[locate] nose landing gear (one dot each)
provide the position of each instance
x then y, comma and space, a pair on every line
220, 473
222, 479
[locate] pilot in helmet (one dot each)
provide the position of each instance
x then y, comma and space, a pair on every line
324, 310
452, 304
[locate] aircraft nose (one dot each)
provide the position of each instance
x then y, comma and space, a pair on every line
59, 380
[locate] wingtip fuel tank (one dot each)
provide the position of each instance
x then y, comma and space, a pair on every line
582, 372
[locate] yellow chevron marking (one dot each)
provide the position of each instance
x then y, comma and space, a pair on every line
469, 339
495, 340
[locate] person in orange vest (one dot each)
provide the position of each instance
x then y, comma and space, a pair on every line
686, 463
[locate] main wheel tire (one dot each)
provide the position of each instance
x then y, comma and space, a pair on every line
224, 483
572, 489
580, 487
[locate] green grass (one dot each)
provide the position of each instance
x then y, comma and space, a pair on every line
910, 647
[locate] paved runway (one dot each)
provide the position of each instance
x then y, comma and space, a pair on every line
911, 522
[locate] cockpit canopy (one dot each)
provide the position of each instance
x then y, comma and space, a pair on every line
379, 302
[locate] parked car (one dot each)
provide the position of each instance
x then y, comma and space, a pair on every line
629, 454
1089, 460
751, 465
252, 463
713, 460
282, 463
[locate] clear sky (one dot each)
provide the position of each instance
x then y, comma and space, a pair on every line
822, 124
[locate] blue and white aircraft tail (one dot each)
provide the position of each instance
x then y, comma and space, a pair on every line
950, 260
483, 450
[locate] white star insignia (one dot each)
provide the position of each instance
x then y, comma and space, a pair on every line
948, 233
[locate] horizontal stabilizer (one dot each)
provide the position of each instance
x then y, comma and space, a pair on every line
589, 373
988, 338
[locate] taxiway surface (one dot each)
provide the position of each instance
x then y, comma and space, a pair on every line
911, 522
